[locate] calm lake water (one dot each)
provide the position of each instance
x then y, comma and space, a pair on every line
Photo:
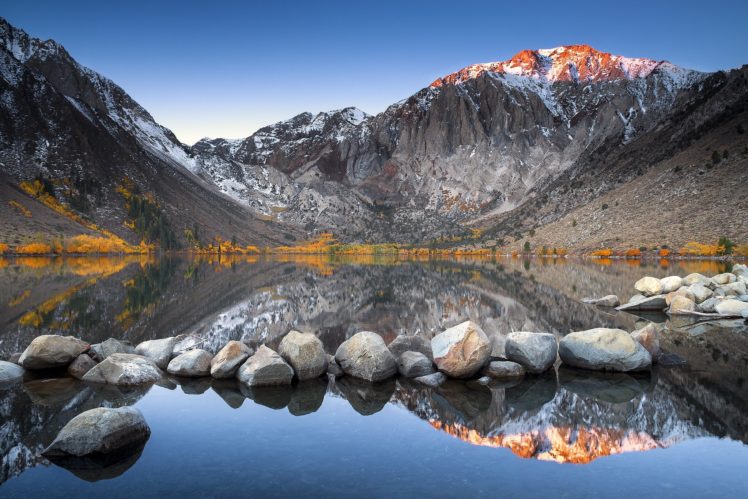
681, 431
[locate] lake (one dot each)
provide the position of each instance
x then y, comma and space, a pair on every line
679, 431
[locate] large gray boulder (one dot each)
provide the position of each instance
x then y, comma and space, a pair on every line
10, 372
462, 350
100, 431
535, 351
731, 307
697, 278
365, 355
228, 360
191, 364
503, 369
265, 368
411, 343
725, 278
305, 353
681, 305
159, 351
106, 348
740, 270
670, 284
700, 292
414, 364
124, 369
736, 288
648, 286
432, 380
707, 306
604, 349
50, 351
81, 365
657, 302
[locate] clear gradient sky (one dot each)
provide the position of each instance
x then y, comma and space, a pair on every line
224, 69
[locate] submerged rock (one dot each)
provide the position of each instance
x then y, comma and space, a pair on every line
50, 351
124, 369
159, 351
503, 369
648, 286
462, 350
305, 353
80, 366
432, 380
365, 355
191, 364
228, 360
651, 303
605, 301
366, 398
265, 368
414, 364
535, 351
99, 431
411, 343
605, 350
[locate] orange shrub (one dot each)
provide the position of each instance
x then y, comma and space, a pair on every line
738, 250
34, 249
4, 248
664, 252
602, 252
633, 253
698, 249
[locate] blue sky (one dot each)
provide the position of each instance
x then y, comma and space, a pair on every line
224, 69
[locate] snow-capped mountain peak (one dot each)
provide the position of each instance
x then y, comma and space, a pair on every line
572, 63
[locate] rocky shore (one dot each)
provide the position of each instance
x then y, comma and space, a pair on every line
723, 296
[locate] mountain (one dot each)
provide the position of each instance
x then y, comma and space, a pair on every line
507, 147
556, 147
85, 140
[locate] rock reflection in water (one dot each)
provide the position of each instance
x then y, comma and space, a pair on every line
97, 467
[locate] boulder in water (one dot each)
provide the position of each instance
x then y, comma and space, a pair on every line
265, 368
462, 350
535, 351
191, 364
648, 286
228, 360
414, 364
124, 369
365, 355
50, 351
604, 350
305, 353
159, 351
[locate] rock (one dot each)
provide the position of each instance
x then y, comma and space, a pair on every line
365, 355
159, 351
671, 360
651, 303
307, 396
731, 307
15, 358
10, 372
535, 351
744, 313
707, 306
648, 286
725, 278
696, 278
124, 369
183, 343
80, 366
333, 368
682, 292
305, 353
612, 388
462, 350
191, 364
265, 368
99, 431
432, 380
740, 270
604, 350
741, 298
106, 348
681, 305
636, 299
700, 292
414, 364
227, 361
649, 338
502, 369
411, 343
50, 351
670, 284
736, 288
483, 380
605, 301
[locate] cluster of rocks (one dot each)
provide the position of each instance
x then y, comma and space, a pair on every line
723, 295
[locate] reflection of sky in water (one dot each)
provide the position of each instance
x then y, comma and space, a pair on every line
200, 446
